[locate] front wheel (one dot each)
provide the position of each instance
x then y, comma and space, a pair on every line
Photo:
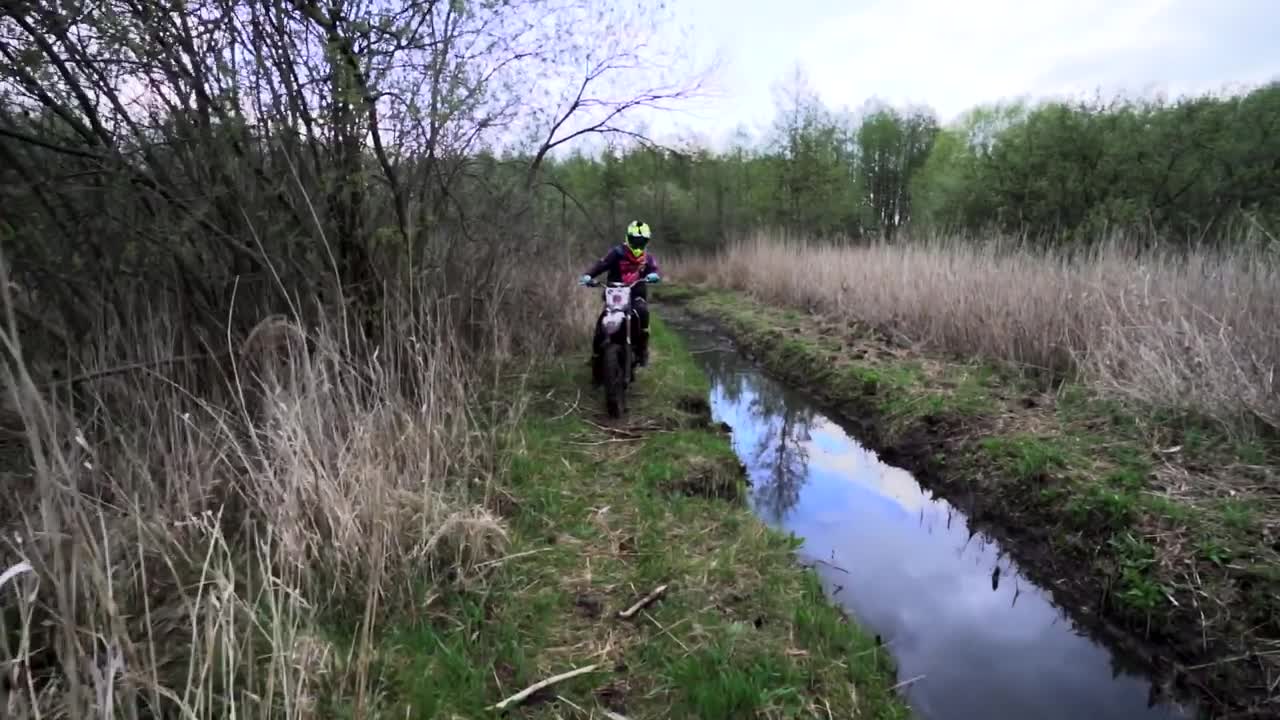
615, 379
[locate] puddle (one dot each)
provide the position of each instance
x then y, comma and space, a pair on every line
983, 641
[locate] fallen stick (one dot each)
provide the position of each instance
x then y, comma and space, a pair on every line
626, 432
598, 443
832, 565
571, 704
525, 693
501, 560
613, 715
646, 601
572, 407
905, 683
668, 633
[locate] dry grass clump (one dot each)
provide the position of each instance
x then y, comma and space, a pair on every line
175, 532
1196, 331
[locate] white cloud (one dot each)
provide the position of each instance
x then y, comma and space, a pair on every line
953, 55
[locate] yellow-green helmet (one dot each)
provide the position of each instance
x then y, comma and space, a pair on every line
638, 235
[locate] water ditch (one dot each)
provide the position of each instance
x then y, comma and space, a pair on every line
972, 636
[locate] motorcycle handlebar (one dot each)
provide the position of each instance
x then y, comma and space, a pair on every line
596, 283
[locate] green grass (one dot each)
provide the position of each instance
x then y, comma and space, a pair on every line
607, 512
1137, 587
1028, 457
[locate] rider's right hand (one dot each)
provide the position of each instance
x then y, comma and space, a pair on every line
585, 280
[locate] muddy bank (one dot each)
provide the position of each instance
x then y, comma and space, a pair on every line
1082, 512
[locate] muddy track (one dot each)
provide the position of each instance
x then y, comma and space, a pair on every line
1169, 648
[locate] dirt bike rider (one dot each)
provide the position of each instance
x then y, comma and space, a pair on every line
627, 263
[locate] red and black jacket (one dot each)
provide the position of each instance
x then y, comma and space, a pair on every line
624, 267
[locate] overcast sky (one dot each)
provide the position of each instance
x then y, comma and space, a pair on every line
954, 54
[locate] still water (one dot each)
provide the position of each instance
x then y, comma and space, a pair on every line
979, 640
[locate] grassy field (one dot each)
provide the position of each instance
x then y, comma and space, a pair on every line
1155, 521
601, 514
1194, 332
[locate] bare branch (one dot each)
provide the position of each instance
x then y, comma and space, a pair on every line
524, 694
600, 114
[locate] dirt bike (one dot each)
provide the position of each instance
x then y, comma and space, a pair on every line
612, 365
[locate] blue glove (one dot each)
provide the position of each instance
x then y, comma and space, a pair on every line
652, 278
585, 280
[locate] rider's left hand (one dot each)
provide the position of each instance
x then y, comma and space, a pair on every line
652, 278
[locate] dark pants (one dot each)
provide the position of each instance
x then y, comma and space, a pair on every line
639, 331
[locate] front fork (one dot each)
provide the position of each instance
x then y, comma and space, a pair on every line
597, 353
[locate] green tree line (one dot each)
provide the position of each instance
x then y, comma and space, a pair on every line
1187, 170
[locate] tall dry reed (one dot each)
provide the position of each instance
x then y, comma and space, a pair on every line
1198, 332
174, 533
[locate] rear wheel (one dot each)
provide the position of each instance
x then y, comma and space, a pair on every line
615, 379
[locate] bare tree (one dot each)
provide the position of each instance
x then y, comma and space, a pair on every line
284, 142
624, 75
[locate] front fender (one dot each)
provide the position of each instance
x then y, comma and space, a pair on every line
612, 322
